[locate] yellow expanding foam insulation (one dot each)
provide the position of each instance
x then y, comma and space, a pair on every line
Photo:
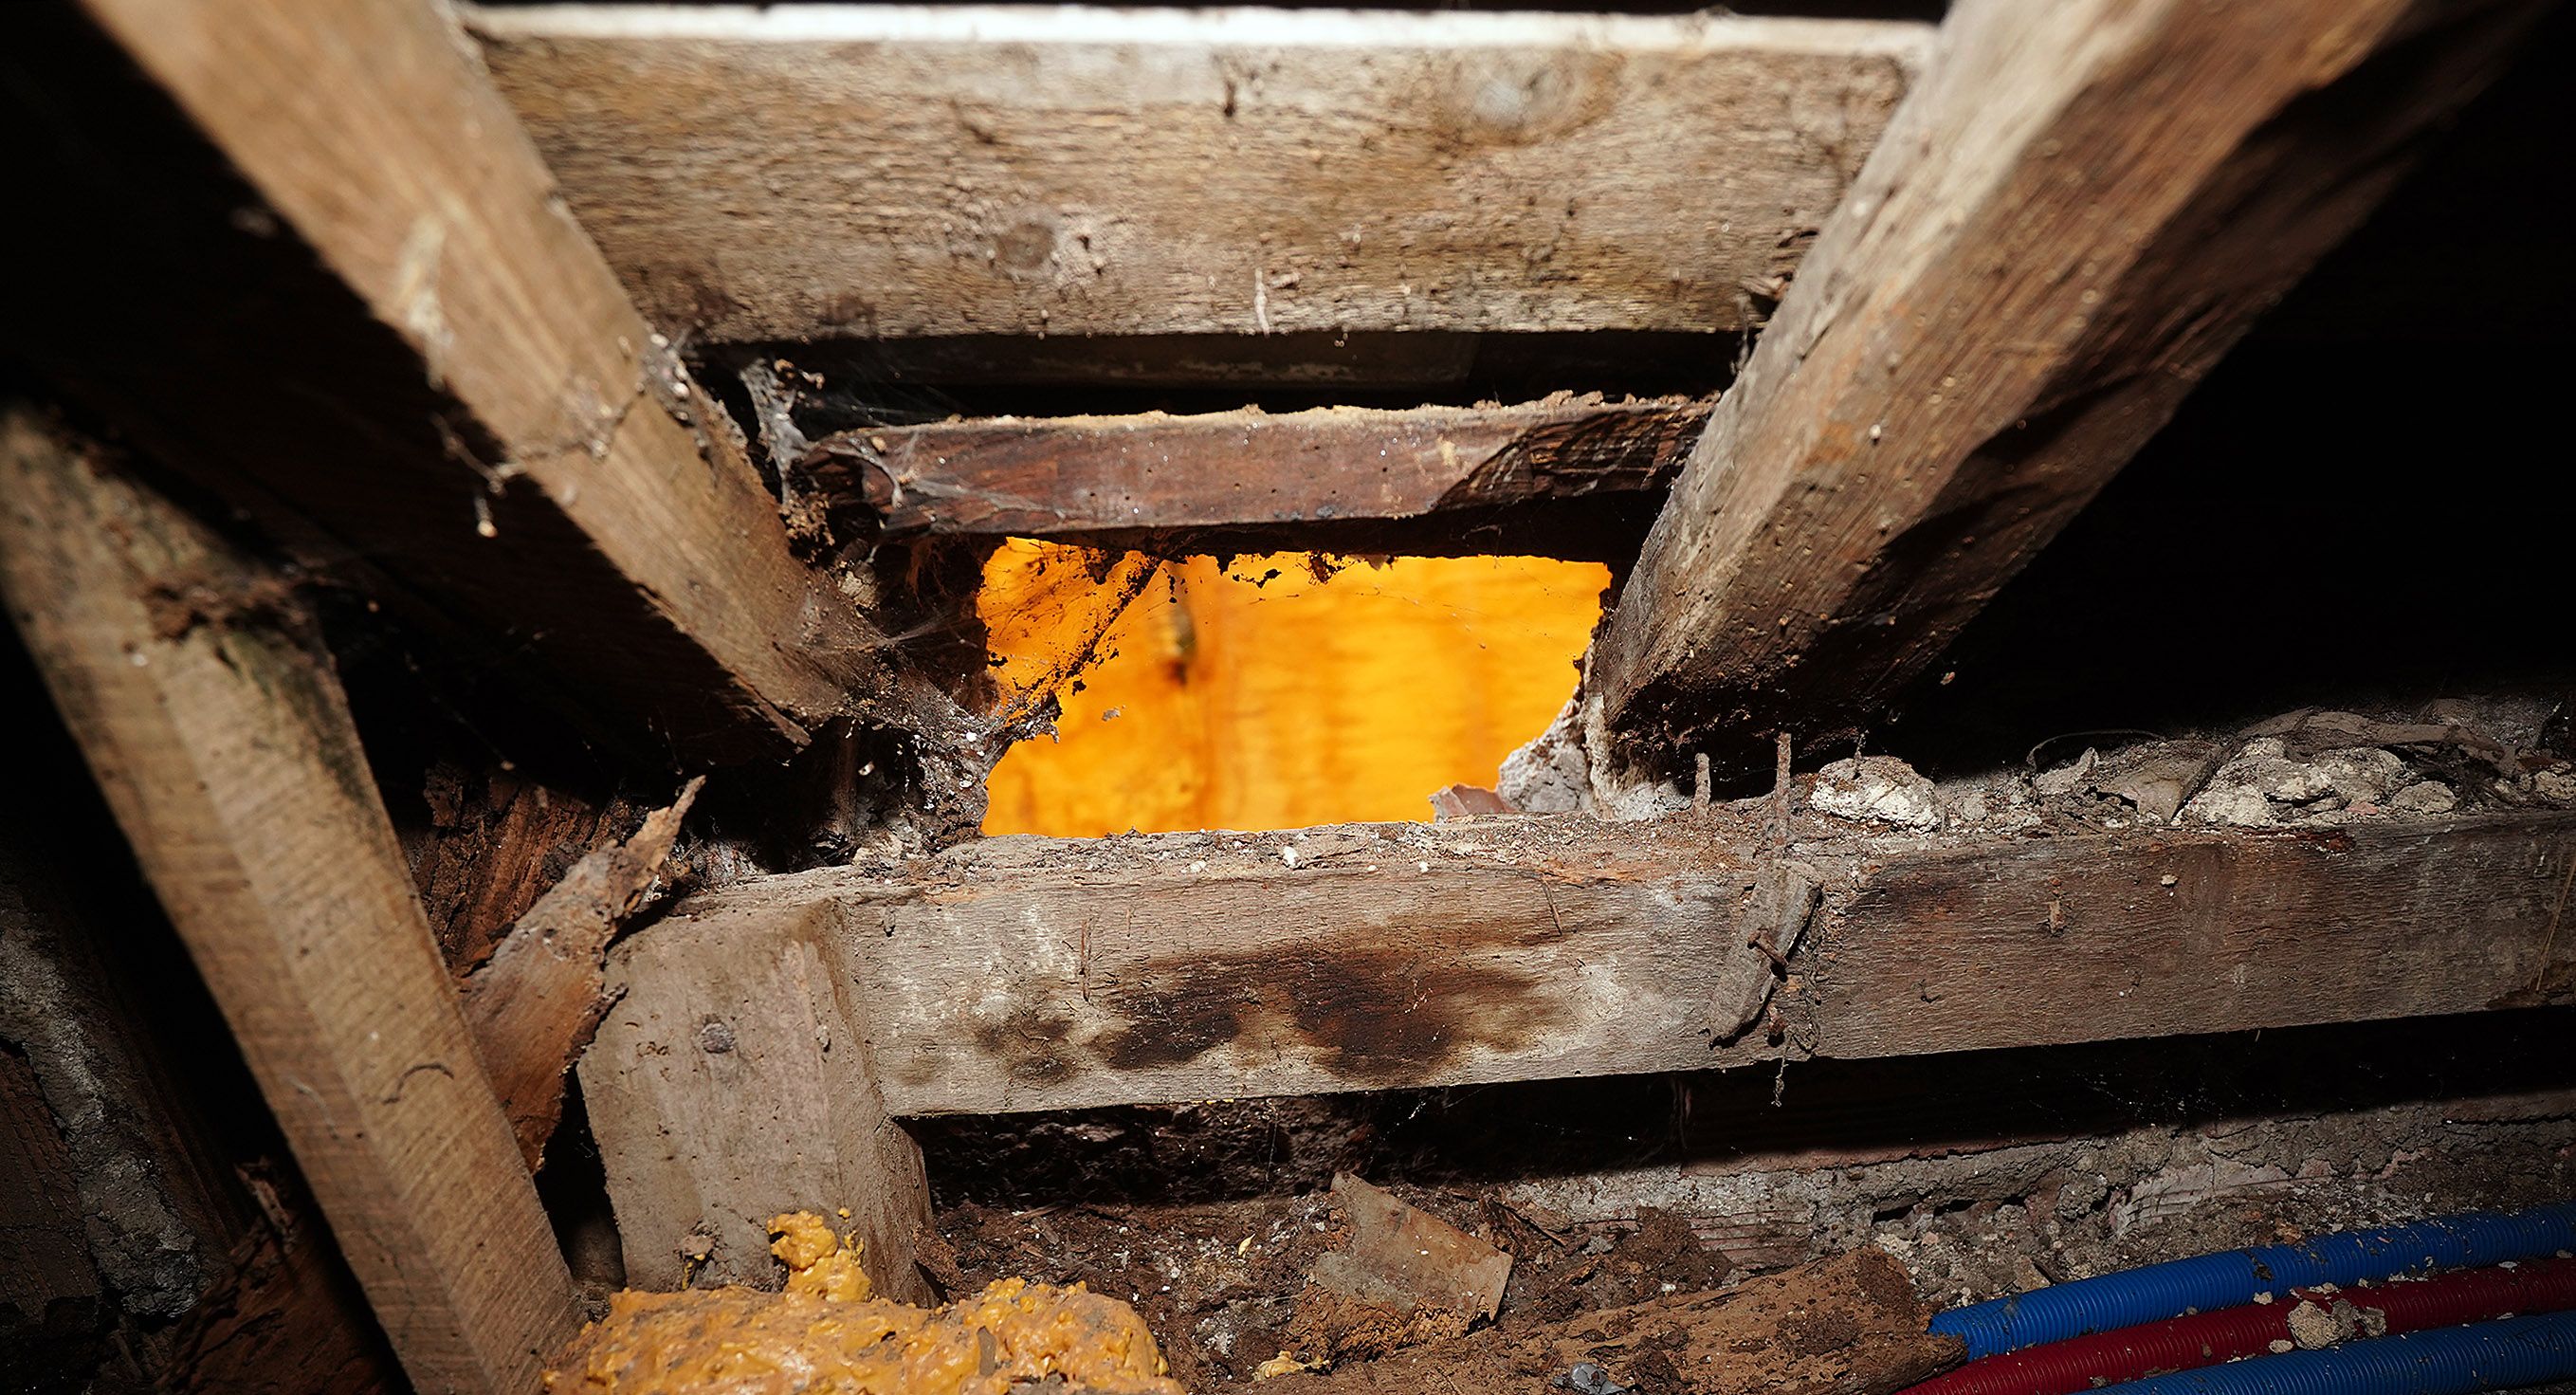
825, 1336
1278, 692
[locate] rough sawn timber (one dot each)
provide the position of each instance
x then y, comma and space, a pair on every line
1246, 473
898, 171
374, 325
731, 1082
2077, 211
1024, 973
216, 728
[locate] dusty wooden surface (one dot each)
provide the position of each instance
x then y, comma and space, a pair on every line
221, 741
2079, 209
731, 1083
902, 170
1026, 973
1092, 477
371, 323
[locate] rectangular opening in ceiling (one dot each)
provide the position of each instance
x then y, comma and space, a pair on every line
1270, 691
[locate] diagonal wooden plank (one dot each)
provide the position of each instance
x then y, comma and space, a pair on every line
899, 171
2078, 210
217, 730
360, 310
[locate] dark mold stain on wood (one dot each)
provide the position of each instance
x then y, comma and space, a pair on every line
1378, 1015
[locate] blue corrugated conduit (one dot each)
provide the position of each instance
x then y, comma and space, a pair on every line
2444, 1361
2225, 1280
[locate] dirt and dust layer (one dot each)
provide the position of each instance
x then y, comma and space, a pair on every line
1621, 1201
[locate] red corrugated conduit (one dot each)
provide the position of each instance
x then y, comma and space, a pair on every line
2206, 1339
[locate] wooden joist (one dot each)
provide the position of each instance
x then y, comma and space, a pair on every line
2081, 206
1290, 479
898, 171
733, 1081
216, 729
346, 298
1024, 973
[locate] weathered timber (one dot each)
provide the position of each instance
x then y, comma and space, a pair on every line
1249, 475
219, 735
732, 1082
2075, 214
533, 1006
1037, 974
896, 171
372, 324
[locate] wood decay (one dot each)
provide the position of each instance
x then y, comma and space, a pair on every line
533, 1005
795, 174
219, 736
213, 1271
1295, 478
1916, 423
1850, 1325
344, 214
1024, 974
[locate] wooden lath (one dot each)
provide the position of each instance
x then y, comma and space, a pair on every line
1428, 480
896, 171
2077, 212
372, 324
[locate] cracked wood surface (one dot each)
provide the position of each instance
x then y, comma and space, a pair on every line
371, 323
1026, 973
902, 171
217, 731
1291, 479
2075, 213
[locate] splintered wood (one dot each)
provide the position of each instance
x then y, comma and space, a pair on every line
533, 1006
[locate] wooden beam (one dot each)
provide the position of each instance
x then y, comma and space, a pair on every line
220, 738
1024, 973
2076, 213
734, 1081
348, 298
1343, 473
895, 171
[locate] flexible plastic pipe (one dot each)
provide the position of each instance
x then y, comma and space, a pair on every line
2446, 1361
2232, 1278
2085, 1364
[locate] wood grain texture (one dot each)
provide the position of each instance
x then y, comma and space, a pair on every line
533, 1006
732, 1082
2075, 214
1243, 472
1040, 974
367, 318
222, 743
901, 170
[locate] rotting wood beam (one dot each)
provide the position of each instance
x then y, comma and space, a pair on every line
900, 171
372, 324
216, 728
1357, 477
1026, 973
2078, 210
